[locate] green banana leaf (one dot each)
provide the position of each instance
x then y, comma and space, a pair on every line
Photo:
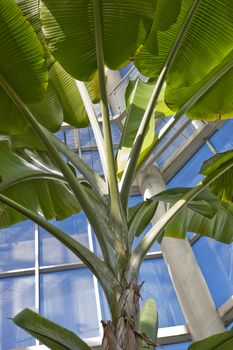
30, 9
22, 64
27, 139
93, 88
137, 96
221, 341
205, 215
206, 43
33, 181
149, 324
48, 332
168, 19
73, 108
204, 53
161, 109
222, 187
65, 87
215, 103
49, 111
70, 32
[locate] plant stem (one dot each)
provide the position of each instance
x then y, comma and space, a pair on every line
129, 172
94, 123
115, 203
145, 244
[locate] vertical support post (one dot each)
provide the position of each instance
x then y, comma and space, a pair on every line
192, 291
115, 95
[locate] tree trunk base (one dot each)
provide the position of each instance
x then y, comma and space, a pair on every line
123, 333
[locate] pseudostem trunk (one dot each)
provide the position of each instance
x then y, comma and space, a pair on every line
123, 333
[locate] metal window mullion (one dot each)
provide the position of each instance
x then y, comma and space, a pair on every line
211, 147
79, 144
61, 267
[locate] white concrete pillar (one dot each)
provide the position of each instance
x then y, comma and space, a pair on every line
192, 291
115, 92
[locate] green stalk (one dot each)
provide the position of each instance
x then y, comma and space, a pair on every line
97, 266
94, 122
129, 172
73, 182
115, 203
145, 244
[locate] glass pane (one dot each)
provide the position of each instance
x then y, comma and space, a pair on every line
71, 138
92, 159
15, 295
123, 71
96, 246
86, 137
189, 176
106, 315
116, 134
158, 286
222, 139
17, 246
53, 252
155, 246
61, 135
97, 166
68, 298
216, 262
159, 124
229, 327
87, 157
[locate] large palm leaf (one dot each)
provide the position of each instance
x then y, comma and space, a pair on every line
66, 91
202, 48
205, 215
222, 187
137, 97
73, 108
216, 101
203, 54
33, 181
48, 332
69, 30
22, 64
